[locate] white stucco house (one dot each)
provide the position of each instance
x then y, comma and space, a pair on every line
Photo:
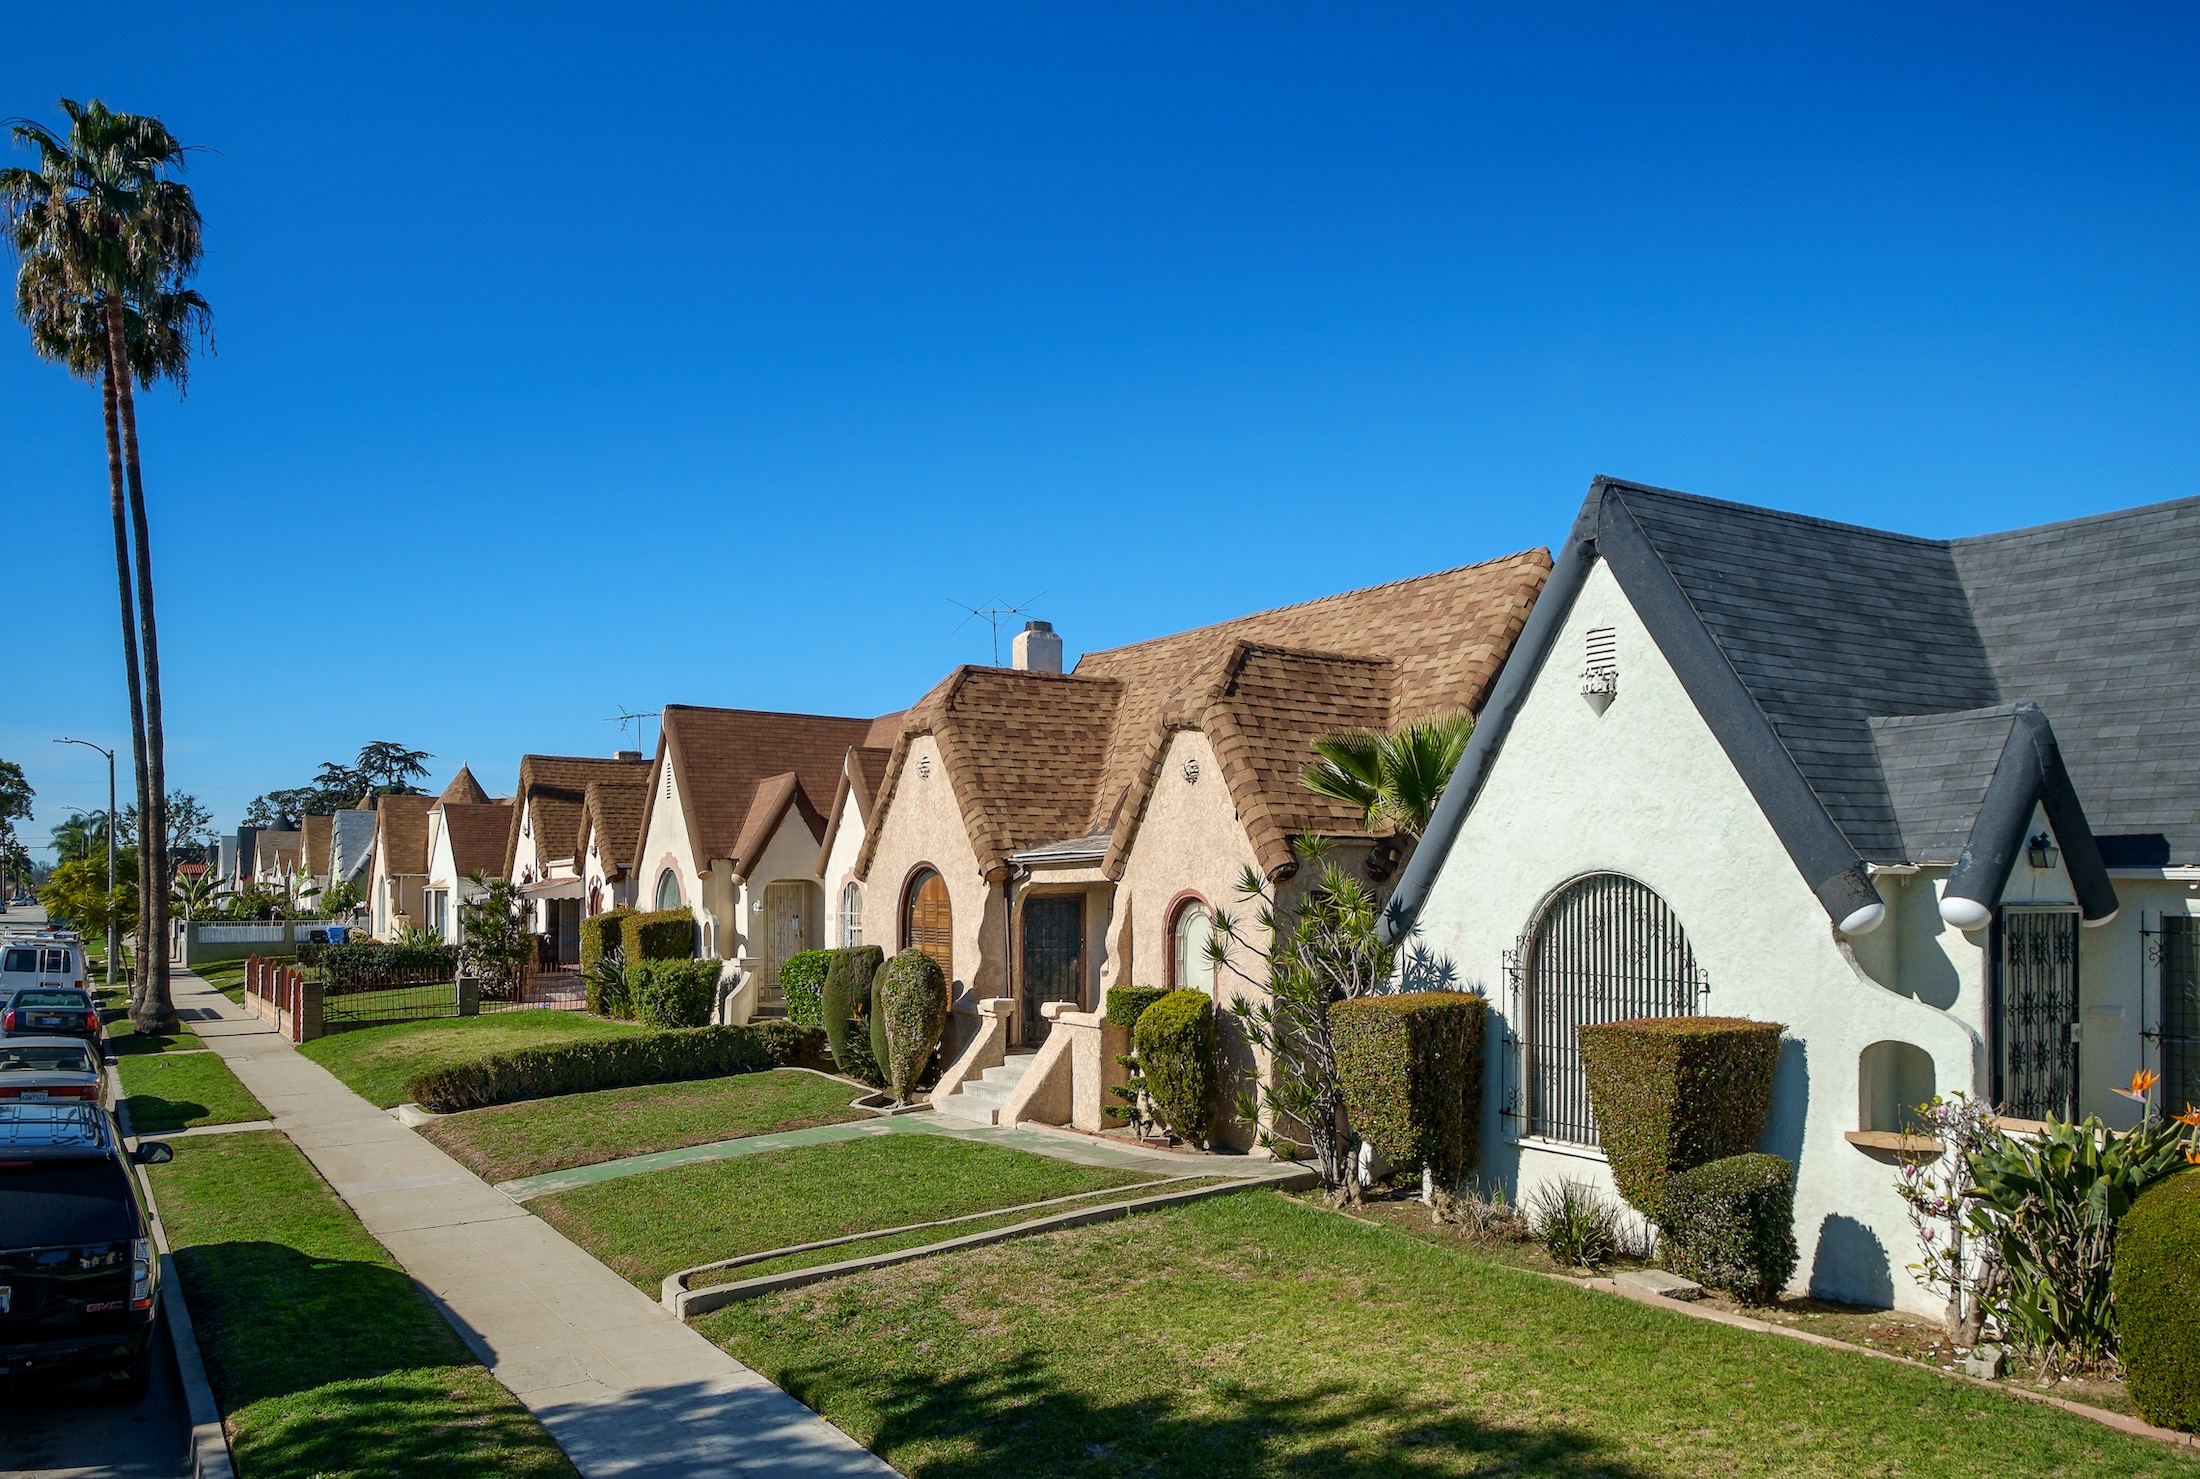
466, 836
1933, 805
847, 823
542, 848
731, 831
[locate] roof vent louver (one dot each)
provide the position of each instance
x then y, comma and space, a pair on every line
1600, 675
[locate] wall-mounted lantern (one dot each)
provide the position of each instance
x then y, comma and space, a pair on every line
2040, 852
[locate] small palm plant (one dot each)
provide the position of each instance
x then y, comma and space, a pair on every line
1394, 779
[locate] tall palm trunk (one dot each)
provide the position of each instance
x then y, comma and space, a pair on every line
110, 394
151, 1007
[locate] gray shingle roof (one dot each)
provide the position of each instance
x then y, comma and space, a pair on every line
1830, 627
1937, 767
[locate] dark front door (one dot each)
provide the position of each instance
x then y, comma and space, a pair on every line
2037, 1016
2180, 942
1054, 959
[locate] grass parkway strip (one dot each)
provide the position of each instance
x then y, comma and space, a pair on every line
375, 1062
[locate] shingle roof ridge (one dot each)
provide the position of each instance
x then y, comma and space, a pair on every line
760, 714
2062, 525
1943, 716
1216, 627
1759, 511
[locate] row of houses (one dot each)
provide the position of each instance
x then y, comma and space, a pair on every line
1934, 805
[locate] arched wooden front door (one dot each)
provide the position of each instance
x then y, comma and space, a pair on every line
928, 921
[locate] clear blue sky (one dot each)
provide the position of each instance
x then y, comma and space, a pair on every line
573, 357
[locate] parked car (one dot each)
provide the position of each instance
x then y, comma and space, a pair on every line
40, 960
46, 1012
49, 1069
79, 1283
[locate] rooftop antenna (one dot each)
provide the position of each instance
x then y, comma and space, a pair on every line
627, 716
992, 616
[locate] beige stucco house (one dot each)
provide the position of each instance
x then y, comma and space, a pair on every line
1932, 804
610, 837
731, 830
542, 853
1047, 836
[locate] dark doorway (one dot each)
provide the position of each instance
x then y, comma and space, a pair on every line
2180, 1019
2036, 1014
1054, 959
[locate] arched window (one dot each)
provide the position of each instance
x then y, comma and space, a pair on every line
595, 897
668, 890
1190, 967
928, 921
851, 914
1605, 948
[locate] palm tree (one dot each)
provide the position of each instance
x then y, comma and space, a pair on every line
1394, 779
107, 237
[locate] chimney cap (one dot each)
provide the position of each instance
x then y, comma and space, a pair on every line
628, 755
1038, 626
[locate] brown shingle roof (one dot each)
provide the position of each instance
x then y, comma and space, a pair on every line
401, 834
550, 791
478, 832
464, 789
1036, 758
316, 834
722, 756
613, 805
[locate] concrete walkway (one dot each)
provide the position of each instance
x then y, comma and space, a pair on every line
1061, 1145
623, 1388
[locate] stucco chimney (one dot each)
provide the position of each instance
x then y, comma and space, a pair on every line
628, 755
1036, 649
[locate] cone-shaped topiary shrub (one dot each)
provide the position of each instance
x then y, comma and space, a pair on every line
1411, 1069
1671, 1093
846, 1007
2156, 1289
910, 1006
802, 983
1127, 1003
1730, 1224
1175, 1040
674, 993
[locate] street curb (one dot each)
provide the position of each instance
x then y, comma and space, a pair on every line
210, 1455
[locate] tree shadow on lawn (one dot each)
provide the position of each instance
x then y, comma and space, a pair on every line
1015, 1422
152, 1115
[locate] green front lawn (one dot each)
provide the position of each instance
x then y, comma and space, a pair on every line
225, 976
376, 1061
325, 1358
124, 1040
174, 1091
655, 1224
1255, 1335
541, 1135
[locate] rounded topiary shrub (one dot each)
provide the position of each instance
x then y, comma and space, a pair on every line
1126, 1004
910, 1007
1671, 1093
802, 985
1410, 1065
1730, 1224
674, 993
1175, 1044
2155, 1287
845, 1005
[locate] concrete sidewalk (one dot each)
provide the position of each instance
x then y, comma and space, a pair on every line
623, 1388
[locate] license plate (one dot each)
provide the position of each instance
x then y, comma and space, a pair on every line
34, 1094
47, 1021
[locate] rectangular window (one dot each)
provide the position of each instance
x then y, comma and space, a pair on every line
23, 961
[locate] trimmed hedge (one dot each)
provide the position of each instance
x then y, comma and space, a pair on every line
1127, 1003
802, 983
673, 993
365, 965
846, 1006
667, 934
909, 1005
2156, 1288
1175, 1042
615, 1062
1730, 1224
600, 933
1672, 1093
1411, 1069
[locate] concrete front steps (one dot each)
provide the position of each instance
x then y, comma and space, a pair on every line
979, 1100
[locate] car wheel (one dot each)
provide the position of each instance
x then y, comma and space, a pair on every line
132, 1382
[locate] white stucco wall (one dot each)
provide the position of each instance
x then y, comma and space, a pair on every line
840, 869
665, 844
1645, 790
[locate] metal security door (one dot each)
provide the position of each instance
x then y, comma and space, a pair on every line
1054, 959
2180, 956
2037, 1016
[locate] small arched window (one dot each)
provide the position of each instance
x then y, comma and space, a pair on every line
1191, 968
928, 920
851, 914
668, 890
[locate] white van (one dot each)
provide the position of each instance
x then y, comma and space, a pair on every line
27, 961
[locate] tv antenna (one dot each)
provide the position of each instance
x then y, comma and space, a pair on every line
992, 616
627, 716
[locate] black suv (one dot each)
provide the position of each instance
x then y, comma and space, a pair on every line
79, 1283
